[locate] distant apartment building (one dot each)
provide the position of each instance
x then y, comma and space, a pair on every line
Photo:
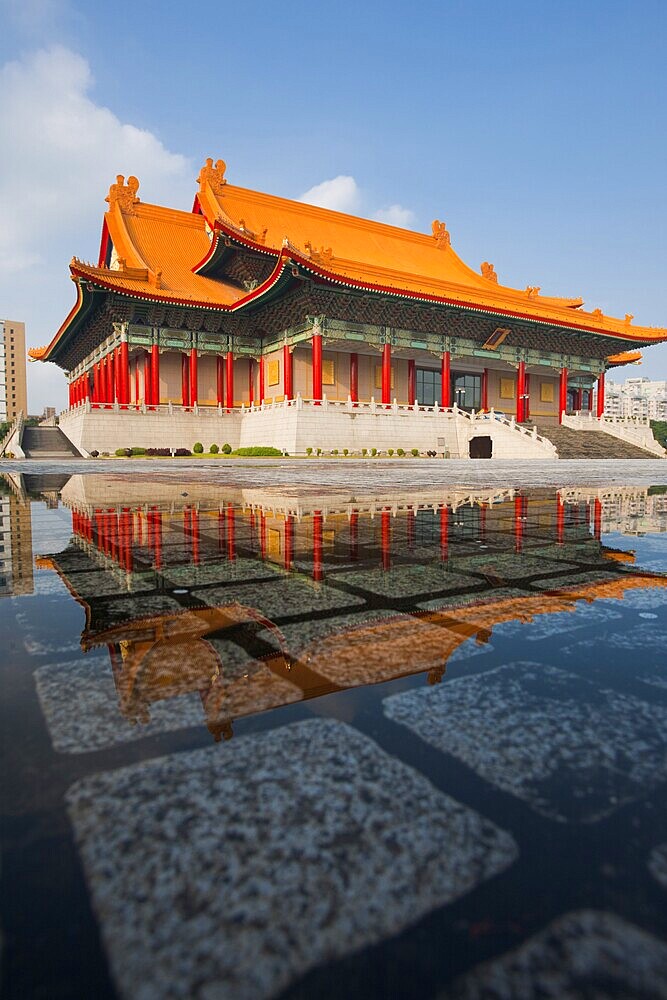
13, 390
16, 576
636, 397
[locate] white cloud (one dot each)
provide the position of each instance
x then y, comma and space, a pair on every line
396, 215
341, 194
60, 152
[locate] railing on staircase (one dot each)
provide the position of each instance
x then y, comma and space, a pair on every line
633, 430
14, 435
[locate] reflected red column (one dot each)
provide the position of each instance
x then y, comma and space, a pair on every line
354, 377
446, 379
560, 519
229, 367
262, 535
519, 522
386, 373
385, 535
444, 533
318, 572
222, 532
288, 554
411, 527
287, 371
126, 518
194, 524
187, 530
354, 535
482, 522
220, 379
597, 518
231, 533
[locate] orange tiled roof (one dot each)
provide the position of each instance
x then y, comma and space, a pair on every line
160, 254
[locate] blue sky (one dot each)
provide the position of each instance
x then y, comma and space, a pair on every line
535, 130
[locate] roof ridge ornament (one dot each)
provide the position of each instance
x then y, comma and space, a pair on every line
213, 175
440, 235
488, 271
124, 195
322, 256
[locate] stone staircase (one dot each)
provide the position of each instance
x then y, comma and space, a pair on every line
589, 444
47, 443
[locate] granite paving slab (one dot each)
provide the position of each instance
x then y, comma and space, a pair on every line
283, 597
405, 581
230, 871
219, 572
81, 707
584, 955
571, 749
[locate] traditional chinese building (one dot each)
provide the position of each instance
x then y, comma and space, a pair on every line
255, 320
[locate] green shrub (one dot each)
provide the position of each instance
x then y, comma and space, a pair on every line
123, 452
346, 452
415, 452
335, 451
309, 452
364, 452
198, 448
213, 450
138, 451
226, 449
400, 452
319, 452
258, 452
390, 452
374, 452
659, 428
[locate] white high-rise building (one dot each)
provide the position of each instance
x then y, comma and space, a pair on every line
636, 397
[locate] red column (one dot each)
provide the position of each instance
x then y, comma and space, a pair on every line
354, 378
229, 362
520, 391
148, 381
185, 380
71, 393
251, 381
261, 380
597, 518
124, 366
444, 533
354, 535
155, 375
386, 373
385, 529
317, 365
288, 554
446, 379
287, 371
112, 376
318, 572
485, 389
600, 406
220, 379
412, 383
562, 395
194, 387
231, 533
136, 380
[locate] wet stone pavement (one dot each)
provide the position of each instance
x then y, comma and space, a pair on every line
277, 742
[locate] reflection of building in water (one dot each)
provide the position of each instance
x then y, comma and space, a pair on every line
15, 539
628, 510
257, 601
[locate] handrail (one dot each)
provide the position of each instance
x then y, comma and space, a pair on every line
17, 426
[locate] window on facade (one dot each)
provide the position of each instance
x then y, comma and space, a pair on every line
428, 386
467, 391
